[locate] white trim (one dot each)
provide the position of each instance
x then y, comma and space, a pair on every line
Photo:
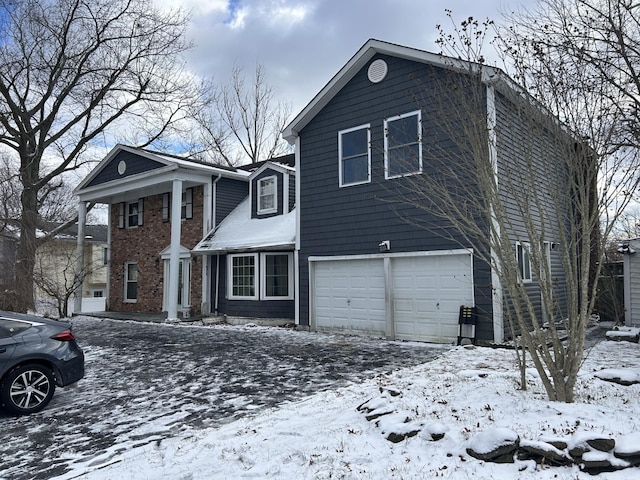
423, 253
366, 126
125, 299
417, 113
525, 248
274, 208
298, 195
256, 276
496, 284
263, 275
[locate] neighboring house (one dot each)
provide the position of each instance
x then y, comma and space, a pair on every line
363, 268
8, 251
56, 267
631, 260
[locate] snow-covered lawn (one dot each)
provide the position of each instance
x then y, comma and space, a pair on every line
463, 393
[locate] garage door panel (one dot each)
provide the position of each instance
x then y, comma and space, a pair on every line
353, 299
439, 286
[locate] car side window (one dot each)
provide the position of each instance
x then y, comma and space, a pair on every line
10, 327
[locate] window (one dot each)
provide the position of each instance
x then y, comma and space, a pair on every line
268, 276
131, 282
403, 145
242, 274
524, 261
186, 207
105, 255
10, 327
130, 214
355, 155
267, 200
98, 293
277, 276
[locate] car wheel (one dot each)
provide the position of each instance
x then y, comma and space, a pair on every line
27, 389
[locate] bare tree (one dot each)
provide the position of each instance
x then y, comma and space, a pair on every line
56, 277
241, 121
532, 211
75, 74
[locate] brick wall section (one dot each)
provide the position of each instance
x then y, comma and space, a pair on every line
143, 245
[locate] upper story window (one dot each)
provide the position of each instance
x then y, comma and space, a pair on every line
186, 206
524, 261
130, 214
355, 155
267, 196
403, 145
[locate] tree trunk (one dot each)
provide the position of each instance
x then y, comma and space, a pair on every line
26, 255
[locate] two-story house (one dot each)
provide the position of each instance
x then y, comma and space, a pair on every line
316, 237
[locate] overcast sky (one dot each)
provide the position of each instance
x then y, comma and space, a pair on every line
303, 43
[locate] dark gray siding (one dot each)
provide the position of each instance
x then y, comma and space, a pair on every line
135, 164
279, 192
353, 220
246, 308
531, 187
229, 194
292, 191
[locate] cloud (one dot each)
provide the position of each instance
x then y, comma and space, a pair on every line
303, 43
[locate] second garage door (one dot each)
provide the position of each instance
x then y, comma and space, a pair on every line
424, 295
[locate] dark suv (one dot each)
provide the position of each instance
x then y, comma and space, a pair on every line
36, 354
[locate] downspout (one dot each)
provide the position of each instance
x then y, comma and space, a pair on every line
215, 307
213, 219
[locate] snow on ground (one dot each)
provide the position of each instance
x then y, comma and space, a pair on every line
463, 393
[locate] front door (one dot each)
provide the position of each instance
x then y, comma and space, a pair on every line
184, 276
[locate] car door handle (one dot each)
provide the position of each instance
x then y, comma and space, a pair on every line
2, 350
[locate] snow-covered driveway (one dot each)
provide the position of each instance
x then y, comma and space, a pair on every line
145, 382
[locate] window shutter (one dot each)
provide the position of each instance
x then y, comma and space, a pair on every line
121, 215
189, 203
166, 206
140, 209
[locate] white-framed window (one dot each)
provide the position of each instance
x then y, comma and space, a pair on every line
264, 276
97, 293
276, 277
186, 207
354, 150
130, 215
267, 195
242, 276
130, 282
524, 261
403, 145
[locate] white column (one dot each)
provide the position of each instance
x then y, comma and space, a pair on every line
174, 251
80, 272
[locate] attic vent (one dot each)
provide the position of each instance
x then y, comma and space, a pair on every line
377, 71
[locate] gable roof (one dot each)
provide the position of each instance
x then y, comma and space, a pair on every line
288, 161
162, 162
371, 48
239, 232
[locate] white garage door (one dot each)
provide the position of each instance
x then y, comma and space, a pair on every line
425, 294
349, 295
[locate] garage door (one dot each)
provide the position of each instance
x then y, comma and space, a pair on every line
349, 295
425, 294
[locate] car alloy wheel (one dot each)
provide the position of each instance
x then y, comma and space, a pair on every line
27, 389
